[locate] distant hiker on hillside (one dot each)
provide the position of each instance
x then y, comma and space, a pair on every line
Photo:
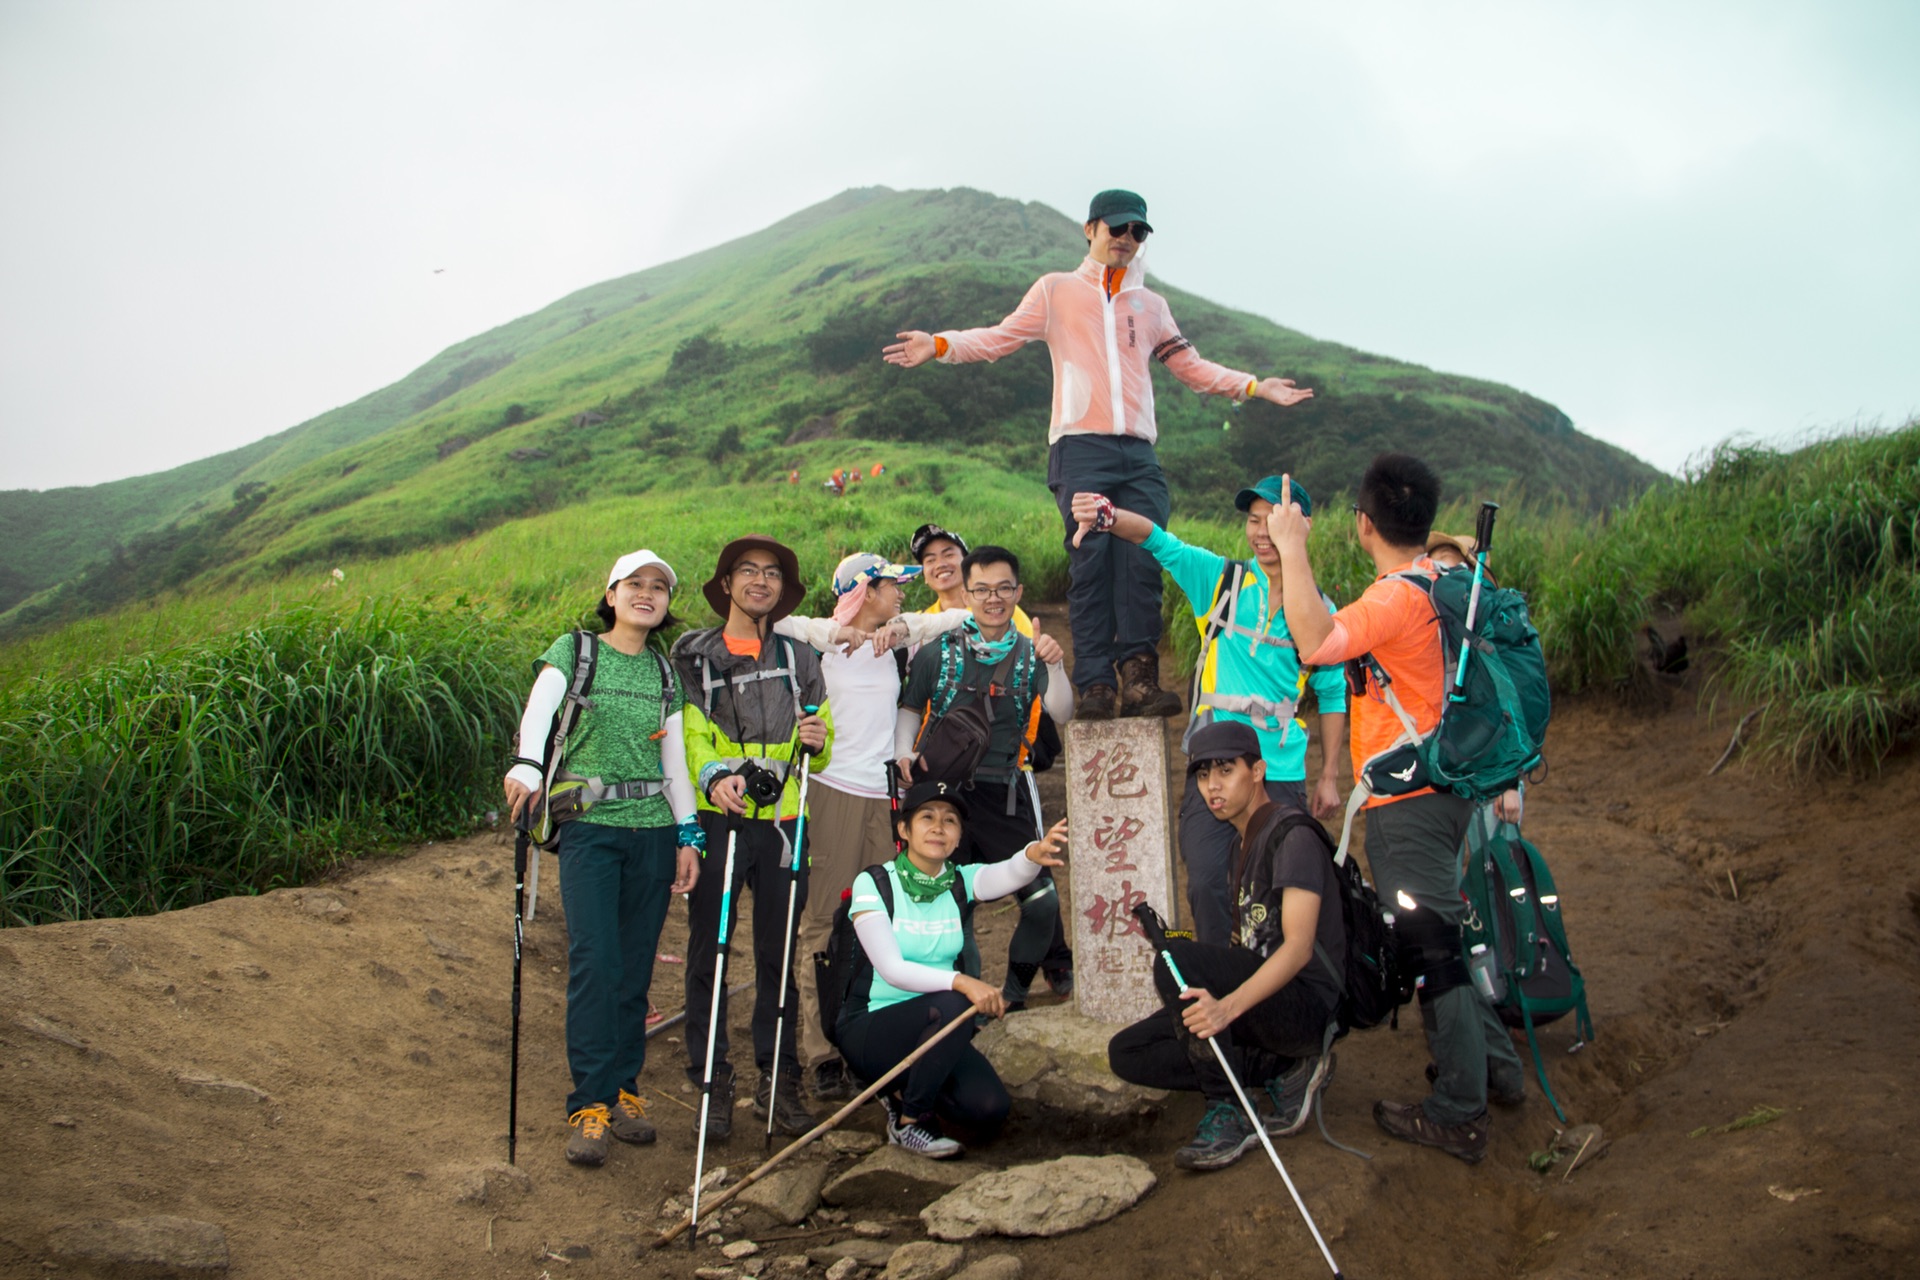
968, 715
1269, 993
849, 807
748, 691
1413, 840
939, 553
1248, 672
1101, 324
913, 930
623, 859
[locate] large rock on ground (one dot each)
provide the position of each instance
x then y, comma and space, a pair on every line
160, 1245
924, 1260
786, 1196
892, 1176
1054, 1063
1047, 1199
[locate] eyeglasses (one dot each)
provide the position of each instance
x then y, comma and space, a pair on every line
1003, 592
770, 572
1138, 230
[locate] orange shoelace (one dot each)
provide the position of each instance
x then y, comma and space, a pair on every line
592, 1120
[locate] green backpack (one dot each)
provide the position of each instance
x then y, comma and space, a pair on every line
1516, 938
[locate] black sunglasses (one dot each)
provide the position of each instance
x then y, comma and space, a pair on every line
1138, 230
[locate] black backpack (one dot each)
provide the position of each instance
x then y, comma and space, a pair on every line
844, 963
1373, 985
953, 742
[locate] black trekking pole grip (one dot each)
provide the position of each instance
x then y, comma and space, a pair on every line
1483, 528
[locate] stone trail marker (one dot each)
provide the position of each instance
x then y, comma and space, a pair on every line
1120, 856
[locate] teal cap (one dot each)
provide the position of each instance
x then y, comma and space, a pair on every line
1269, 490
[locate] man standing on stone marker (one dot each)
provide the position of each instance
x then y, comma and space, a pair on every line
1250, 674
988, 659
1101, 324
1413, 840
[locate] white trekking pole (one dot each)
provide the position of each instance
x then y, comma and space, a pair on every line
713, 1026
786, 953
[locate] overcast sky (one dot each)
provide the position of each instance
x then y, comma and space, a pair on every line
1678, 222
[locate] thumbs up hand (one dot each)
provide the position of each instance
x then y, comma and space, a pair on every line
1046, 648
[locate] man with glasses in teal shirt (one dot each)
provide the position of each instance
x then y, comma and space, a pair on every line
1250, 672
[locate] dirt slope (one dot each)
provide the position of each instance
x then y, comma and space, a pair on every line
372, 1012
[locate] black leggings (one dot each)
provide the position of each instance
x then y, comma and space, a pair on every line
1159, 1052
953, 1081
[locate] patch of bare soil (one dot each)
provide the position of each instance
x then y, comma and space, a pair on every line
1746, 942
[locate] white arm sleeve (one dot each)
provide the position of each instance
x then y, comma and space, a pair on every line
906, 727
875, 932
922, 627
816, 633
1058, 699
673, 766
999, 879
549, 691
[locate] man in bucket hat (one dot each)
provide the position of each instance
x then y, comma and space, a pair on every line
747, 720
1102, 325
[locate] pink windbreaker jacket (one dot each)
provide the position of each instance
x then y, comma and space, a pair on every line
1100, 347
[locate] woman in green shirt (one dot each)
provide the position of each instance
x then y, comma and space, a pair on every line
623, 860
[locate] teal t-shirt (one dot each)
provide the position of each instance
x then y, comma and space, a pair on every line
929, 933
613, 741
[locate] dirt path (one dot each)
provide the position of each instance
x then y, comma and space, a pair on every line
1745, 944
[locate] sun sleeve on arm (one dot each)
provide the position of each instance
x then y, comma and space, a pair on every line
1026, 323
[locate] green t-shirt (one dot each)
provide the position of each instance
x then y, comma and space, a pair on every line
614, 740
929, 933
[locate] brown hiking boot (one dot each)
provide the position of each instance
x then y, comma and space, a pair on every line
1409, 1122
628, 1120
589, 1145
1096, 702
1140, 691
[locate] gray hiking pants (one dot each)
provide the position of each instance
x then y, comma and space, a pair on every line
1414, 847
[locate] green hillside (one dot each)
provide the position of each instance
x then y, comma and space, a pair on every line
735, 365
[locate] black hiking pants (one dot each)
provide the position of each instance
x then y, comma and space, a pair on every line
954, 1081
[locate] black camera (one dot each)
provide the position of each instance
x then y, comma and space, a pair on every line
763, 785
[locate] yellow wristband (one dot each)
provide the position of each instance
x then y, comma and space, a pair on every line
1253, 388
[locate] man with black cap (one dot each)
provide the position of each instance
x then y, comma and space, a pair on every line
1101, 325
1248, 671
1269, 996
747, 720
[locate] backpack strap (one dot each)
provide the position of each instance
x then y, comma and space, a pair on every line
669, 689
727, 680
1289, 823
586, 658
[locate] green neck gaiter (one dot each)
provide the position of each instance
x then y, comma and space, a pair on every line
920, 886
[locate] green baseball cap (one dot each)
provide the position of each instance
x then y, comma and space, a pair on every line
1117, 208
1269, 490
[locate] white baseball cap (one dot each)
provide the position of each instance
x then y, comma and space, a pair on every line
626, 566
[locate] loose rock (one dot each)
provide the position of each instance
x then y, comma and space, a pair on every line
488, 1182
162, 1243
892, 1176
1047, 1199
714, 1273
214, 1089
713, 1178
999, 1266
64, 1122
924, 1260
791, 1264
852, 1142
740, 1249
253, 971
445, 950
392, 977
845, 1269
872, 1230
788, 1195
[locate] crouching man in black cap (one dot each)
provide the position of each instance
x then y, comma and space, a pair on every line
1270, 996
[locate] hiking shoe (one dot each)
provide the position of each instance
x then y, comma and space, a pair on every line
1096, 702
1140, 691
790, 1114
628, 1120
719, 1110
831, 1083
1223, 1137
1292, 1093
921, 1138
1060, 980
1409, 1122
588, 1145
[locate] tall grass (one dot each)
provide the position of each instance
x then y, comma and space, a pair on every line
248, 760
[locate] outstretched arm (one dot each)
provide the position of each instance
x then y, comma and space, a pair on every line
1026, 323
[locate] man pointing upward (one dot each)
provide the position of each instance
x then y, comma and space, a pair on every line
1101, 324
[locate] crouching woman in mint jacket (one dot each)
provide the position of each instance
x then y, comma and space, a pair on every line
911, 932
624, 858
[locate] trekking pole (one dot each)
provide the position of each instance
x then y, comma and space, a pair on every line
1149, 923
805, 1139
713, 1017
786, 950
513, 1070
1482, 539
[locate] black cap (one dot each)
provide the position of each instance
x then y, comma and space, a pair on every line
926, 793
1222, 740
928, 533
